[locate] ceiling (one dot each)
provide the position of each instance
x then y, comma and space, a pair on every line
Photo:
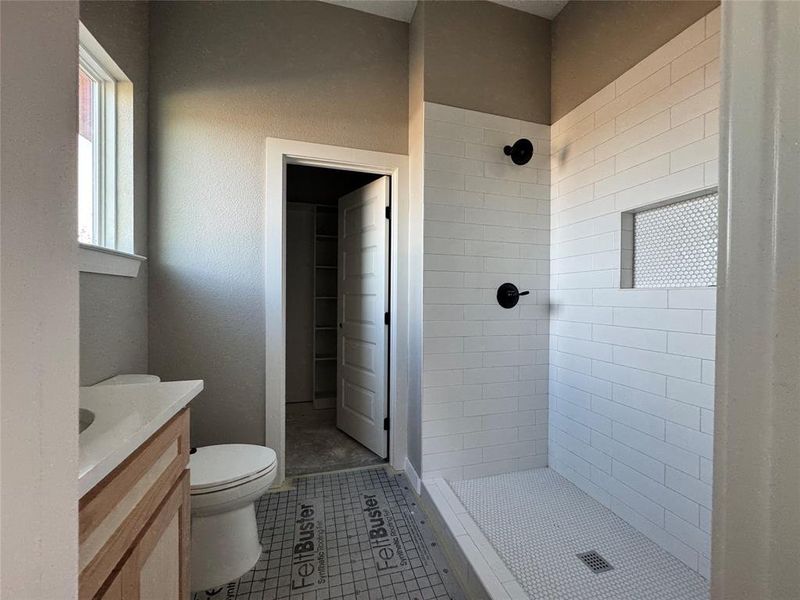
403, 10
541, 8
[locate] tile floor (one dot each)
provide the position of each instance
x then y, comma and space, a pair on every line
356, 555
315, 445
538, 522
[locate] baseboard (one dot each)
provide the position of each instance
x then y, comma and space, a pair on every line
413, 477
324, 403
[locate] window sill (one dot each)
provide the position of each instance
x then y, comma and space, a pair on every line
106, 261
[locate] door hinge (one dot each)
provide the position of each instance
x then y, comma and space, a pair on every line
388, 212
386, 318
386, 424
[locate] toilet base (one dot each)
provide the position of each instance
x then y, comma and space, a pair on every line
224, 547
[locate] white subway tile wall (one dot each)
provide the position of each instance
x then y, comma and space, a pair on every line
487, 222
631, 370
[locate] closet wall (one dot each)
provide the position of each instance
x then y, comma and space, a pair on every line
299, 311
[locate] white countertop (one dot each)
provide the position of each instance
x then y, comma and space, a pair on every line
125, 417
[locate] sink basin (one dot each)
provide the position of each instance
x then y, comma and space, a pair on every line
85, 418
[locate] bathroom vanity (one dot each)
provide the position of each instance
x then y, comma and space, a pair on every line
134, 484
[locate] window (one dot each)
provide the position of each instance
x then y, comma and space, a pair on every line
673, 244
105, 163
96, 152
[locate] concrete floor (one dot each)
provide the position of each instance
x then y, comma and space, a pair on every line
315, 445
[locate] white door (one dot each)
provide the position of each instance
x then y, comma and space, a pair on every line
361, 372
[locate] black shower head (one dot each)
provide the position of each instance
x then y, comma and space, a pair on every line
521, 152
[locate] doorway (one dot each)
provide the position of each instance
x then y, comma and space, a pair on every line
337, 242
281, 154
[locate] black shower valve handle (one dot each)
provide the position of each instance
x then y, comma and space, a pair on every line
508, 295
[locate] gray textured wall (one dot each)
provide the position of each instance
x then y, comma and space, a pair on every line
113, 310
38, 300
225, 76
595, 42
485, 57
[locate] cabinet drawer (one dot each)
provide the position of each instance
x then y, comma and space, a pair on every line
114, 514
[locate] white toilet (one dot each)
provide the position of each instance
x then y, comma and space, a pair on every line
226, 480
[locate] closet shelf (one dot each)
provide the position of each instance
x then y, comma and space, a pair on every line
325, 242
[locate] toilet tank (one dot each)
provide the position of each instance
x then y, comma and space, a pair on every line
126, 379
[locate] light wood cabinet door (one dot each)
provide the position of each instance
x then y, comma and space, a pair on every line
122, 584
162, 555
157, 567
134, 525
114, 590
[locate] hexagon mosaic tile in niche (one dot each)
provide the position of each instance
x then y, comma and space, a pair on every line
675, 245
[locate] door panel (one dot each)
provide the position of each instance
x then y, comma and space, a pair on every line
359, 355
362, 334
359, 400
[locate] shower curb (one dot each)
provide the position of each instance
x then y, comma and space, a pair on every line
482, 572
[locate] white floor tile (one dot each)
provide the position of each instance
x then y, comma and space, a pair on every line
538, 521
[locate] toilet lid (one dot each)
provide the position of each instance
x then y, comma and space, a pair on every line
213, 466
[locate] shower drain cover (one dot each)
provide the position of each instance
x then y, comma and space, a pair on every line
595, 562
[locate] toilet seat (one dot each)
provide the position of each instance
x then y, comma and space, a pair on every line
234, 484
225, 466
228, 476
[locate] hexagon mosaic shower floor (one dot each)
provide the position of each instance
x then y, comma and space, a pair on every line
538, 522
369, 540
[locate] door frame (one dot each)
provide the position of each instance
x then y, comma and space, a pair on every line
280, 153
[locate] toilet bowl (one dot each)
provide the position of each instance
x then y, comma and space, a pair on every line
226, 480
